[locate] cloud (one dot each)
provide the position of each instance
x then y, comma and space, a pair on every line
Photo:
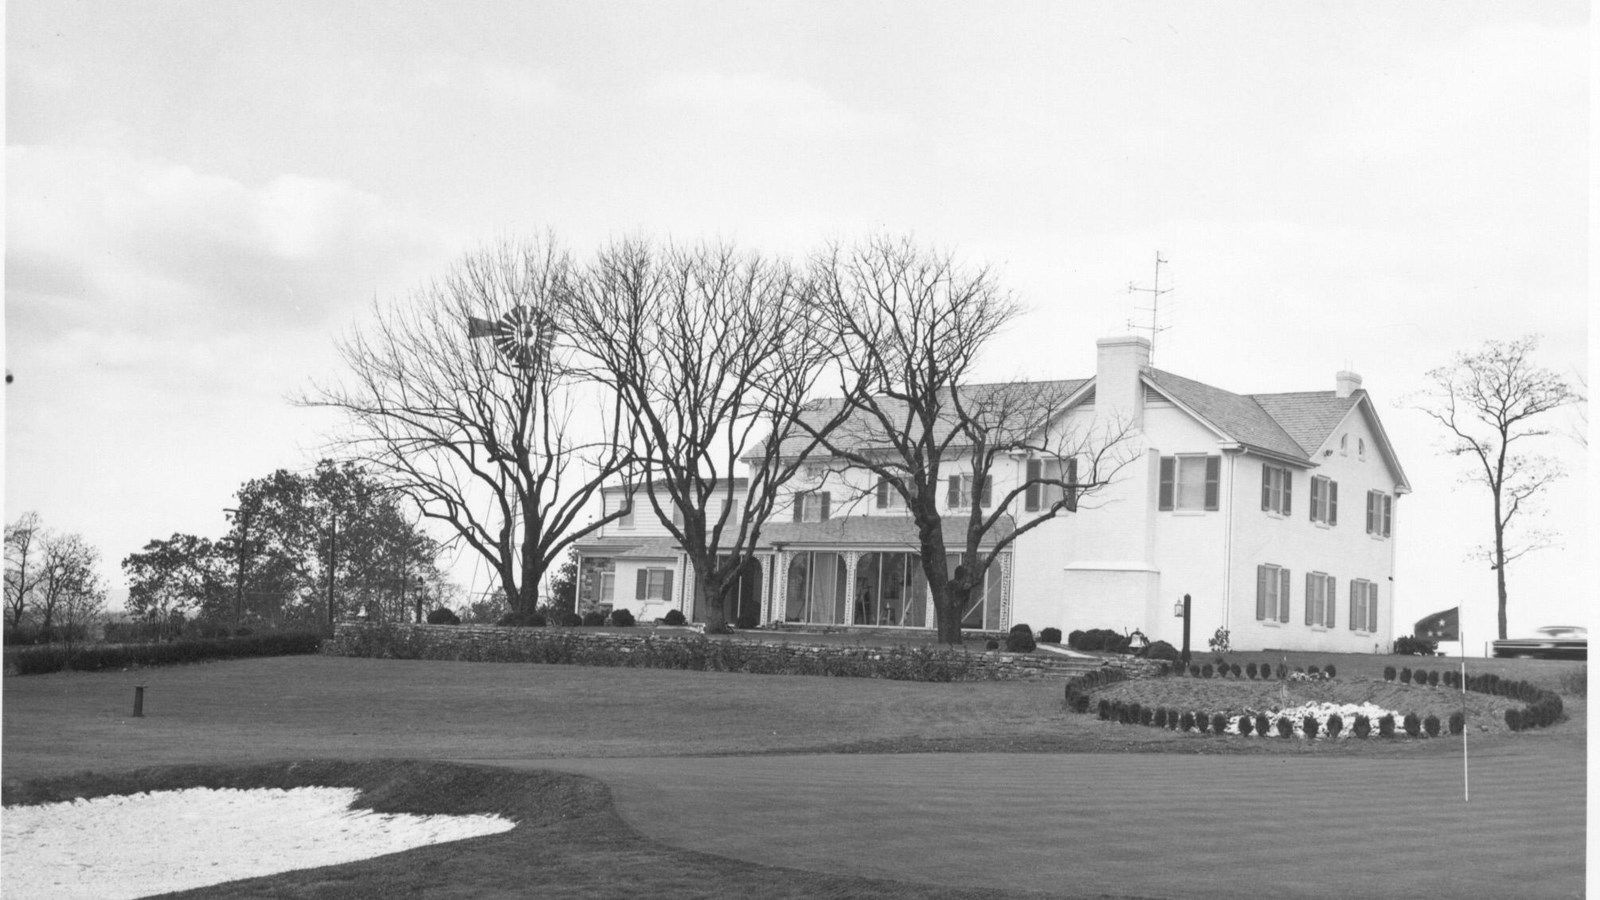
753, 102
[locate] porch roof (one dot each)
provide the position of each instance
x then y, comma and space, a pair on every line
637, 548
875, 531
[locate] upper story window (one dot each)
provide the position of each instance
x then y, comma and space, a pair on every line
1277, 489
627, 513
1038, 496
1321, 593
1190, 482
888, 497
1272, 593
959, 491
1361, 448
1344, 445
811, 506
1363, 605
1380, 513
1324, 500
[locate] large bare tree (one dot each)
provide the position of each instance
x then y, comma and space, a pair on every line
23, 539
464, 399
713, 353
1487, 401
908, 324
52, 579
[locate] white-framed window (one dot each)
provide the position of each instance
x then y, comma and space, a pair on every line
677, 517
1272, 593
812, 506
1321, 594
1380, 513
626, 522
653, 584
1190, 482
608, 586
959, 491
887, 496
1363, 605
1037, 496
1277, 489
1324, 500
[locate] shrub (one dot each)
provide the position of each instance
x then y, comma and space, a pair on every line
1163, 651
1433, 679
1576, 681
1458, 722
1388, 673
1285, 727
673, 617
1386, 725
1514, 719
621, 618
1186, 722
1263, 725
1147, 716
521, 620
1202, 722
1135, 712
1283, 671
1194, 670
1431, 725
1219, 723
594, 617
1250, 670
1410, 645
571, 619
1413, 724
991, 644
1020, 639
1308, 726
443, 616
1244, 725
1161, 717
1235, 670
1049, 635
1335, 725
1405, 676
1081, 703
1329, 671
1313, 671
1105, 709
1173, 719
747, 621
1075, 640
1205, 671
1363, 726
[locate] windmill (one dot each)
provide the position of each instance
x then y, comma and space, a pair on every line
523, 335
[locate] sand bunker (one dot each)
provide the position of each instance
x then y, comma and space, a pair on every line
143, 844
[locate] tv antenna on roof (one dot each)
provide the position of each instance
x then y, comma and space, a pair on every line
1154, 309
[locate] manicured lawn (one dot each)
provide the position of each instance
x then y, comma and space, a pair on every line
893, 825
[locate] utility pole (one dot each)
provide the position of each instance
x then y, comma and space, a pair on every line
333, 562
244, 535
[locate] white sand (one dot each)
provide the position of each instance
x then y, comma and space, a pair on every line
134, 846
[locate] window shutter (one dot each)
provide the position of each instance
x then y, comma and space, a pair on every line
1355, 610
952, 497
1283, 595
1071, 492
1164, 494
799, 506
1333, 503
1288, 491
826, 496
988, 483
666, 587
1311, 592
1261, 592
1369, 512
1266, 487
883, 493
1372, 607
1213, 482
642, 584
1030, 496
1332, 601
1388, 511
1316, 485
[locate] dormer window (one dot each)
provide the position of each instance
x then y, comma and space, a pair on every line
627, 514
1361, 448
1344, 445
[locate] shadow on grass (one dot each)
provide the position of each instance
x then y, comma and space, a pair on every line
569, 841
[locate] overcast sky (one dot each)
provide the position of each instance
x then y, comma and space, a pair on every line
200, 197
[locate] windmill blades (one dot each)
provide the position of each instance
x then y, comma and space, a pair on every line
523, 335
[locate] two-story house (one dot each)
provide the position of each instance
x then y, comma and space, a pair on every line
1276, 513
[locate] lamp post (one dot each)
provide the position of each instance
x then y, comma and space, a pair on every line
1182, 610
238, 596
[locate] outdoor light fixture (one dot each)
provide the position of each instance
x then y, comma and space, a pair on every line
1177, 609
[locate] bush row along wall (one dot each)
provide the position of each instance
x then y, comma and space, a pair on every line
94, 657
482, 643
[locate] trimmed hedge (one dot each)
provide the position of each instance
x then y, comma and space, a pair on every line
97, 657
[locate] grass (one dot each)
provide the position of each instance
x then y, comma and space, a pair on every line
894, 825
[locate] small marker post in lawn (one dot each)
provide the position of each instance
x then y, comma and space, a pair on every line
138, 701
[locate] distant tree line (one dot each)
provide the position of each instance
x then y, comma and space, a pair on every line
53, 588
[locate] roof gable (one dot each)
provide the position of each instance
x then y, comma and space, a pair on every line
1239, 417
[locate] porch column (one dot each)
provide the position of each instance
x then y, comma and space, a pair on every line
850, 557
768, 586
780, 586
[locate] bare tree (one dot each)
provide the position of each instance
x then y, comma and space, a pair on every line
68, 585
1487, 401
909, 324
712, 353
23, 538
464, 400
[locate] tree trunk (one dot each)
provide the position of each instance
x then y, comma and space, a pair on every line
714, 599
1500, 562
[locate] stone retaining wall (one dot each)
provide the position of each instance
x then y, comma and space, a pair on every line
491, 643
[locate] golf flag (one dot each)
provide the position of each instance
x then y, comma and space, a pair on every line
1444, 625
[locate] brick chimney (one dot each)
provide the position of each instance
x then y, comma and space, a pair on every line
1119, 363
1345, 384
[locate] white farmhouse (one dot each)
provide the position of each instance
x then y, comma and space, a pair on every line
1275, 513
